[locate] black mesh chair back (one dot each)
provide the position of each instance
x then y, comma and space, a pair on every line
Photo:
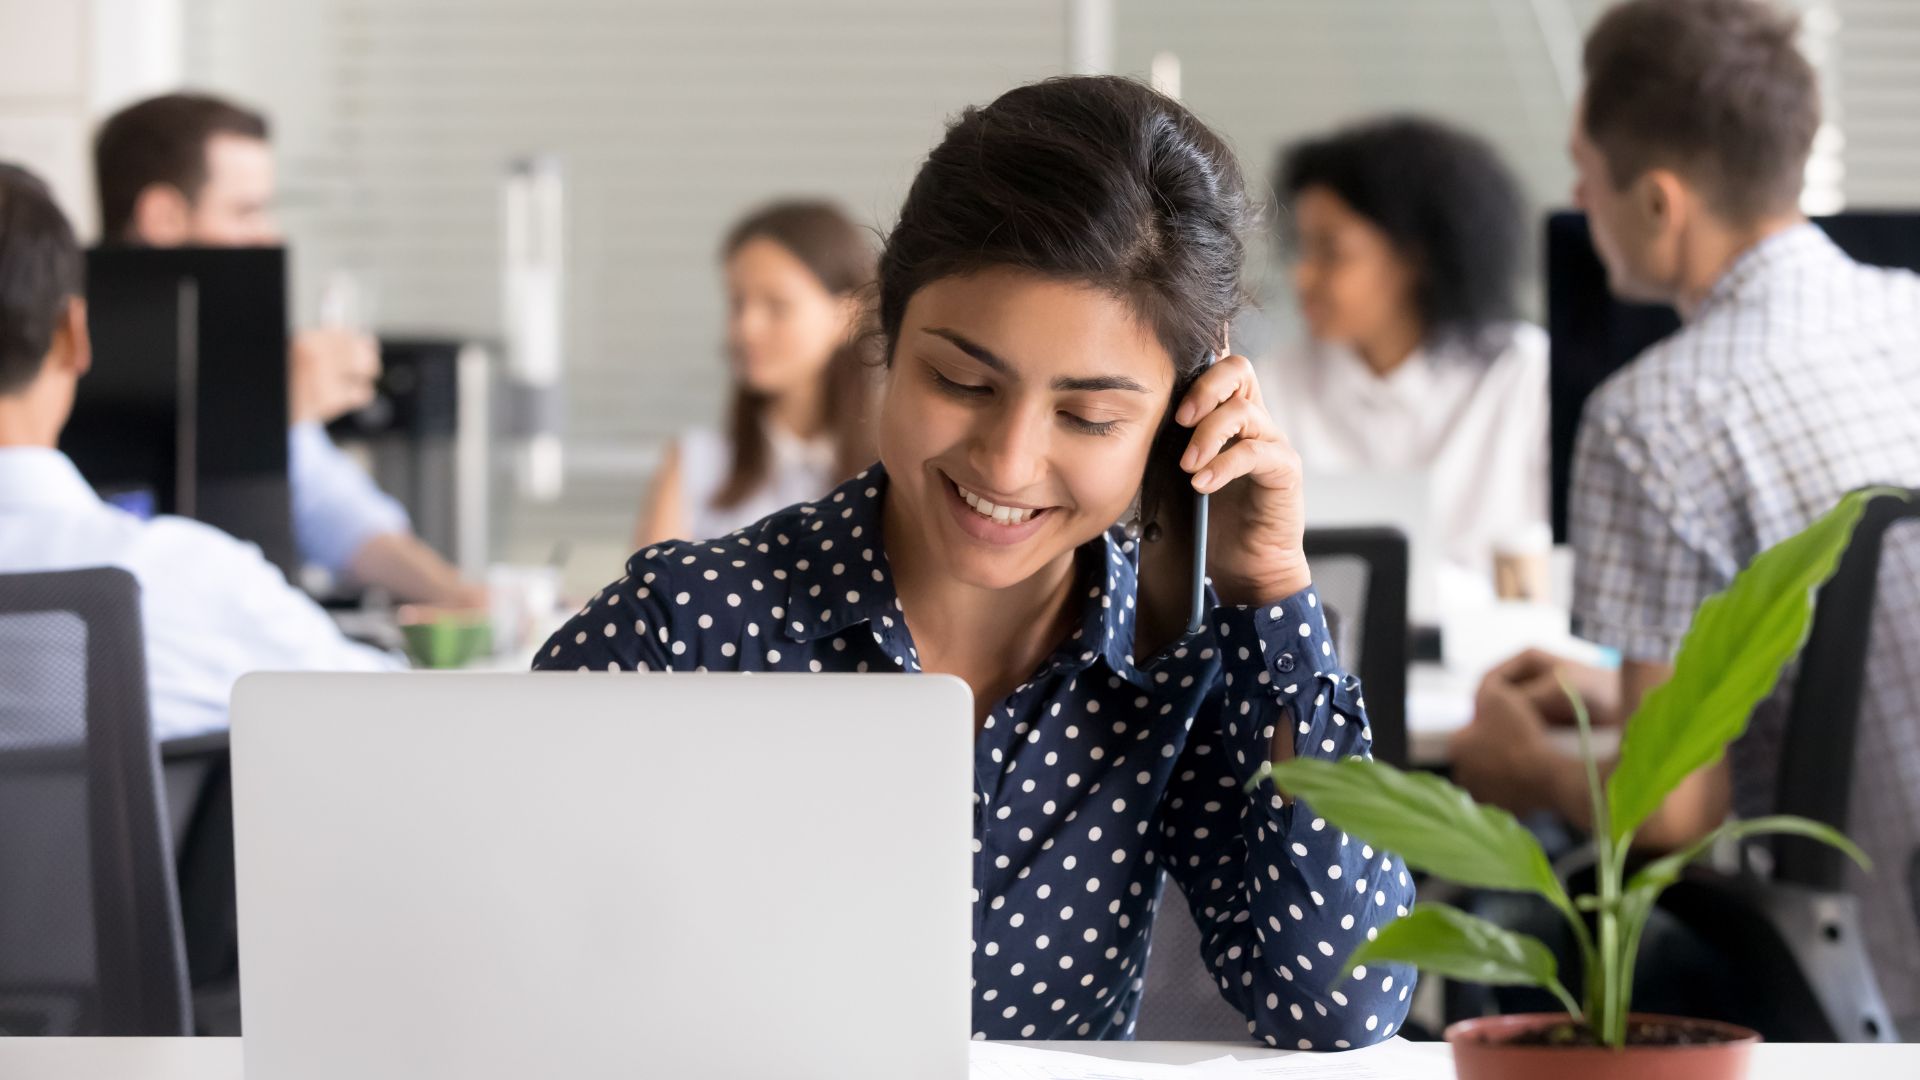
1787, 927
1823, 718
90, 940
1361, 577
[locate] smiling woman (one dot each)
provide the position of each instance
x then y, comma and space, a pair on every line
1065, 264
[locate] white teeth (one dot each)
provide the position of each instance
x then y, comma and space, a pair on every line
1005, 515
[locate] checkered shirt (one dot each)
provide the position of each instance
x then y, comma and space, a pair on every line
1796, 381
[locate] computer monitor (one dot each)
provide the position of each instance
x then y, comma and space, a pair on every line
1594, 334
185, 410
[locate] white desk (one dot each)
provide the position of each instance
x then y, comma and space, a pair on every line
219, 1059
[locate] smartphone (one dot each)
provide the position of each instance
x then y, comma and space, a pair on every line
1198, 618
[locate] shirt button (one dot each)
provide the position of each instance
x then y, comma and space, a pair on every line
1284, 662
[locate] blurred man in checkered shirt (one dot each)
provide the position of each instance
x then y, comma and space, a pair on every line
1795, 378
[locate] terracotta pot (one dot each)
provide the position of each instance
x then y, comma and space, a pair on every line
1482, 1051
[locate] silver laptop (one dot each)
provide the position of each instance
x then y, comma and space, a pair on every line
510, 876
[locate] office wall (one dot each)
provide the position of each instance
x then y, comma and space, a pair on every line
43, 94
63, 65
396, 118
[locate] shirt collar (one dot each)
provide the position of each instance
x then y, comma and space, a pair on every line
1409, 384
840, 578
34, 477
1755, 269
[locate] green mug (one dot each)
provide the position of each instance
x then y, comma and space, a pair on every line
448, 639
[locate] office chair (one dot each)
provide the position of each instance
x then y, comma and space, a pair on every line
1802, 910
1776, 944
1361, 576
90, 940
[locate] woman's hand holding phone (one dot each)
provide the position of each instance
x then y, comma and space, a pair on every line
1239, 457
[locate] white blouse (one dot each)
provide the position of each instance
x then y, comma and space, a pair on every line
1476, 428
800, 470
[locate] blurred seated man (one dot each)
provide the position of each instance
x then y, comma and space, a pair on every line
212, 608
1795, 379
191, 170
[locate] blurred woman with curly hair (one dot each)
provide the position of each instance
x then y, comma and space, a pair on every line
1407, 240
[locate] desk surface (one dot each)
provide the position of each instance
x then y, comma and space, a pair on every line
219, 1059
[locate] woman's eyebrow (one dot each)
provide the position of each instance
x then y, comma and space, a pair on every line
1070, 384
1093, 383
972, 348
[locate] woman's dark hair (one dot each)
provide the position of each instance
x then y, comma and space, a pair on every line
1096, 180
1448, 205
840, 256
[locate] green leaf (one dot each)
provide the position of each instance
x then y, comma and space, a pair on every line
1660, 873
1430, 824
1447, 941
1645, 887
1730, 659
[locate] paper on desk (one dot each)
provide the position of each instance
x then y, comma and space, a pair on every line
1393, 1060
1388, 1061
1001, 1061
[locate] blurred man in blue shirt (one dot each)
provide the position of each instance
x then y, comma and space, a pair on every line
211, 607
192, 170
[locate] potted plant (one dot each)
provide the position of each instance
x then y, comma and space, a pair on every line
1731, 658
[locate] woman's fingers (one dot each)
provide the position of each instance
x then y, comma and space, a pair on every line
1229, 378
1269, 463
1237, 419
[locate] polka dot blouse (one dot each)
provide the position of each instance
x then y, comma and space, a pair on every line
1091, 778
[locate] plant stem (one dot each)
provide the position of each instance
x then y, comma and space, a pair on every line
1590, 962
1606, 999
1573, 1007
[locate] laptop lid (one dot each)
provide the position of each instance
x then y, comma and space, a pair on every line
503, 876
